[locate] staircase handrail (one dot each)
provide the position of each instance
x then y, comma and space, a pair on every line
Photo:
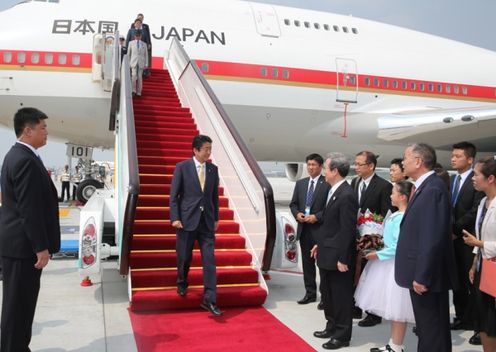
180, 64
116, 81
128, 184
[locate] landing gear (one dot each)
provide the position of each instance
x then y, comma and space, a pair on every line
86, 188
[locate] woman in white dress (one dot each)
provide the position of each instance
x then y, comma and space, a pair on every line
377, 291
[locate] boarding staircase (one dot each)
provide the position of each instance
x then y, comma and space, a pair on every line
164, 132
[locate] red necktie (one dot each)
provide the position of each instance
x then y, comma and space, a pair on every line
412, 193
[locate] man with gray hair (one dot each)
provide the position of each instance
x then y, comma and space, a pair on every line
424, 256
335, 253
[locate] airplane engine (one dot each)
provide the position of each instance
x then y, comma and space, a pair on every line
295, 171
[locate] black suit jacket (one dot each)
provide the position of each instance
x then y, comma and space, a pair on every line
377, 195
145, 34
187, 198
336, 236
465, 209
299, 199
425, 249
30, 212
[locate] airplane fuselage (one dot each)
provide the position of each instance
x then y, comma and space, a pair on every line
293, 81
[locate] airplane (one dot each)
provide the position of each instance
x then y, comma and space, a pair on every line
316, 80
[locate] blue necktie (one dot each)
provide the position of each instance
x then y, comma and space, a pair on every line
310, 195
456, 189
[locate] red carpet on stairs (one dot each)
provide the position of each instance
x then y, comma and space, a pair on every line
239, 329
164, 132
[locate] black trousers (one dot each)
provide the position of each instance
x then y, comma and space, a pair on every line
337, 295
431, 311
185, 241
463, 298
65, 190
21, 284
308, 264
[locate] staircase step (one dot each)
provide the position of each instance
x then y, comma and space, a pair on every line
167, 124
152, 259
154, 137
169, 300
158, 242
156, 169
168, 277
155, 213
149, 200
164, 144
150, 188
186, 153
167, 160
164, 226
168, 131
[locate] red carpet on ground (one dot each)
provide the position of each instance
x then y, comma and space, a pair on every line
239, 329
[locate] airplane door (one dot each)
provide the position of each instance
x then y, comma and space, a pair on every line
346, 80
265, 20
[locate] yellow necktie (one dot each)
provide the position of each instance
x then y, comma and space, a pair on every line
201, 176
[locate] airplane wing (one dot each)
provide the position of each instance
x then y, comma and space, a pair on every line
442, 127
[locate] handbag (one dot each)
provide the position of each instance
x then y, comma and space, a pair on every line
488, 276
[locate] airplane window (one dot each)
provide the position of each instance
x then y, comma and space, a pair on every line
263, 71
7, 57
385, 83
345, 29
448, 88
285, 74
316, 25
307, 24
21, 58
48, 58
352, 80
76, 60
62, 59
204, 67
35, 58
456, 89
404, 84
413, 85
287, 22
422, 87
336, 28
395, 84
275, 72
464, 90
367, 81
376, 82
297, 23
431, 87
439, 88
326, 27
354, 30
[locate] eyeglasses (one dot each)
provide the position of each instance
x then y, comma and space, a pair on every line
361, 164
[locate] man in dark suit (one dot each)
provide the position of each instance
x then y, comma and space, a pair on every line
464, 202
307, 206
29, 227
373, 193
147, 38
194, 212
425, 262
335, 253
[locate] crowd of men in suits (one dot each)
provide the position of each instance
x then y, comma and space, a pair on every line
431, 256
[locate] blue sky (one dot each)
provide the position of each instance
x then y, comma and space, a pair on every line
467, 21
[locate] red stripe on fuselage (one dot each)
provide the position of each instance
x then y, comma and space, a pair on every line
219, 70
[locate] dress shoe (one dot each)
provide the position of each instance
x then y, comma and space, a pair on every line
357, 313
457, 324
324, 334
212, 308
369, 320
181, 291
334, 344
320, 306
307, 299
414, 330
475, 340
386, 348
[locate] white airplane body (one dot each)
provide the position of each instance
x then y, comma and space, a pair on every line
293, 81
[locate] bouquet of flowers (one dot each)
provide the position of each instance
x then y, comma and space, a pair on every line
370, 226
